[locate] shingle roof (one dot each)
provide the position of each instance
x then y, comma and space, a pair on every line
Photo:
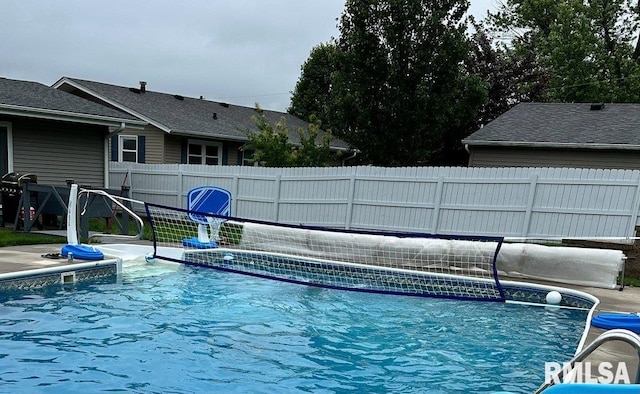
189, 116
36, 97
539, 124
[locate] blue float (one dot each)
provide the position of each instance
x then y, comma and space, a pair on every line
195, 243
609, 321
82, 252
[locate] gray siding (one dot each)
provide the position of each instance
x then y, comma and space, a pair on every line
56, 151
233, 152
154, 143
564, 158
172, 149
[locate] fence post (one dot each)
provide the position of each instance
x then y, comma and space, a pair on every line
234, 194
180, 191
128, 176
634, 212
276, 201
436, 209
533, 186
352, 192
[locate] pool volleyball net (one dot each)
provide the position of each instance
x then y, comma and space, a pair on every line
459, 267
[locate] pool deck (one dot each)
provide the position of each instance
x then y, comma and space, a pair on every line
23, 259
627, 300
29, 257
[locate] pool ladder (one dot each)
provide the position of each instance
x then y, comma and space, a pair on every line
611, 335
119, 201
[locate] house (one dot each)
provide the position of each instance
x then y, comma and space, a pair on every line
179, 129
56, 135
559, 135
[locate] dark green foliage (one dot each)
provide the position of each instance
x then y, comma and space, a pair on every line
312, 93
584, 50
511, 76
404, 82
395, 84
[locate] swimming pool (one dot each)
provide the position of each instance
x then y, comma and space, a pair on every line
172, 328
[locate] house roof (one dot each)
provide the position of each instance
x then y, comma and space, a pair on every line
180, 115
33, 99
557, 125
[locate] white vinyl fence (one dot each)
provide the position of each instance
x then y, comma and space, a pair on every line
512, 202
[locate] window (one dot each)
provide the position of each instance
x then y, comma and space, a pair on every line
128, 148
247, 158
203, 152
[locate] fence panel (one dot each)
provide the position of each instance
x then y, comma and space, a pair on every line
513, 202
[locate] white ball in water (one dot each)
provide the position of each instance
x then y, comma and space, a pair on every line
554, 298
149, 258
227, 257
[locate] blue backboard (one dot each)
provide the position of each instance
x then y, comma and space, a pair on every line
208, 199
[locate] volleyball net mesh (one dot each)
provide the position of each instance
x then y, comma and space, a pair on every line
460, 267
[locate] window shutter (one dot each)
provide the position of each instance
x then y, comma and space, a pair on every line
225, 154
141, 148
114, 148
183, 152
4, 154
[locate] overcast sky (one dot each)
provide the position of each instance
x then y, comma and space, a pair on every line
237, 51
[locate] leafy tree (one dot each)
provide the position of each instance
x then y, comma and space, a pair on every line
585, 49
312, 93
314, 149
271, 146
511, 76
398, 90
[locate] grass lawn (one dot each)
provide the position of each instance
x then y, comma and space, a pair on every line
8, 237
635, 282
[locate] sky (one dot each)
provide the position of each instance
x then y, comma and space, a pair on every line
236, 51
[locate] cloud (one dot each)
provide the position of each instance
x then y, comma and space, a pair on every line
246, 50
240, 51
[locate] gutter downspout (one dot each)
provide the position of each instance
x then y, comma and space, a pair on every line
115, 132
344, 161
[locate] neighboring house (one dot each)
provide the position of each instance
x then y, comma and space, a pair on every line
559, 135
180, 129
56, 135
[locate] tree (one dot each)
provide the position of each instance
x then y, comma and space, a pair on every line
511, 76
586, 49
312, 93
271, 146
398, 90
314, 150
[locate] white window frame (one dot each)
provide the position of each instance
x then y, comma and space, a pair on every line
245, 160
9, 128
121, 150
203, 155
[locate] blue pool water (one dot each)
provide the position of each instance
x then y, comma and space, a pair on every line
188, 329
